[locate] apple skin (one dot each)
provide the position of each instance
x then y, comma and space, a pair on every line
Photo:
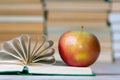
79, 48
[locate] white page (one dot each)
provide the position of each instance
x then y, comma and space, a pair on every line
10, 67
9, 63
52, 69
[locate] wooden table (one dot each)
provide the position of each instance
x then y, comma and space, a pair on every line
104, 71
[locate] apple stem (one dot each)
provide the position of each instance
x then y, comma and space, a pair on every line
81, 28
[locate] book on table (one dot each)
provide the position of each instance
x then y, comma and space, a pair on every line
34, 55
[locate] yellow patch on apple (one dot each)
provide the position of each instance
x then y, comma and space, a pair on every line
81, 56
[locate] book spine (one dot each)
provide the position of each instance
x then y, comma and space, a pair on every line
78, 6
77, 15
21, 9
21, 27
20, 1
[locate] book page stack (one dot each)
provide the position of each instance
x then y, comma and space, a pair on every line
64, 15
20, 16
114, 19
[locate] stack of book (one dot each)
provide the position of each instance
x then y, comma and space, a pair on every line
114, 19
64, 15
20, 16
77, 12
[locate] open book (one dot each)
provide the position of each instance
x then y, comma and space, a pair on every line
28, 54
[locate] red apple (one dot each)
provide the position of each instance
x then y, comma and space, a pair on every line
79, 48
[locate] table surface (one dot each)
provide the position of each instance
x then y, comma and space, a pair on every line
104, 71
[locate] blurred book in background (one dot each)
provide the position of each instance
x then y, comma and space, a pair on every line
21, 17
71, 14
21, 9
114, 18
115, 6
20, 1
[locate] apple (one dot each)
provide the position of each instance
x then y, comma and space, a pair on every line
79, 48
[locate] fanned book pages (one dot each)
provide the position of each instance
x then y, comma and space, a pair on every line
23, 49
29, 54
